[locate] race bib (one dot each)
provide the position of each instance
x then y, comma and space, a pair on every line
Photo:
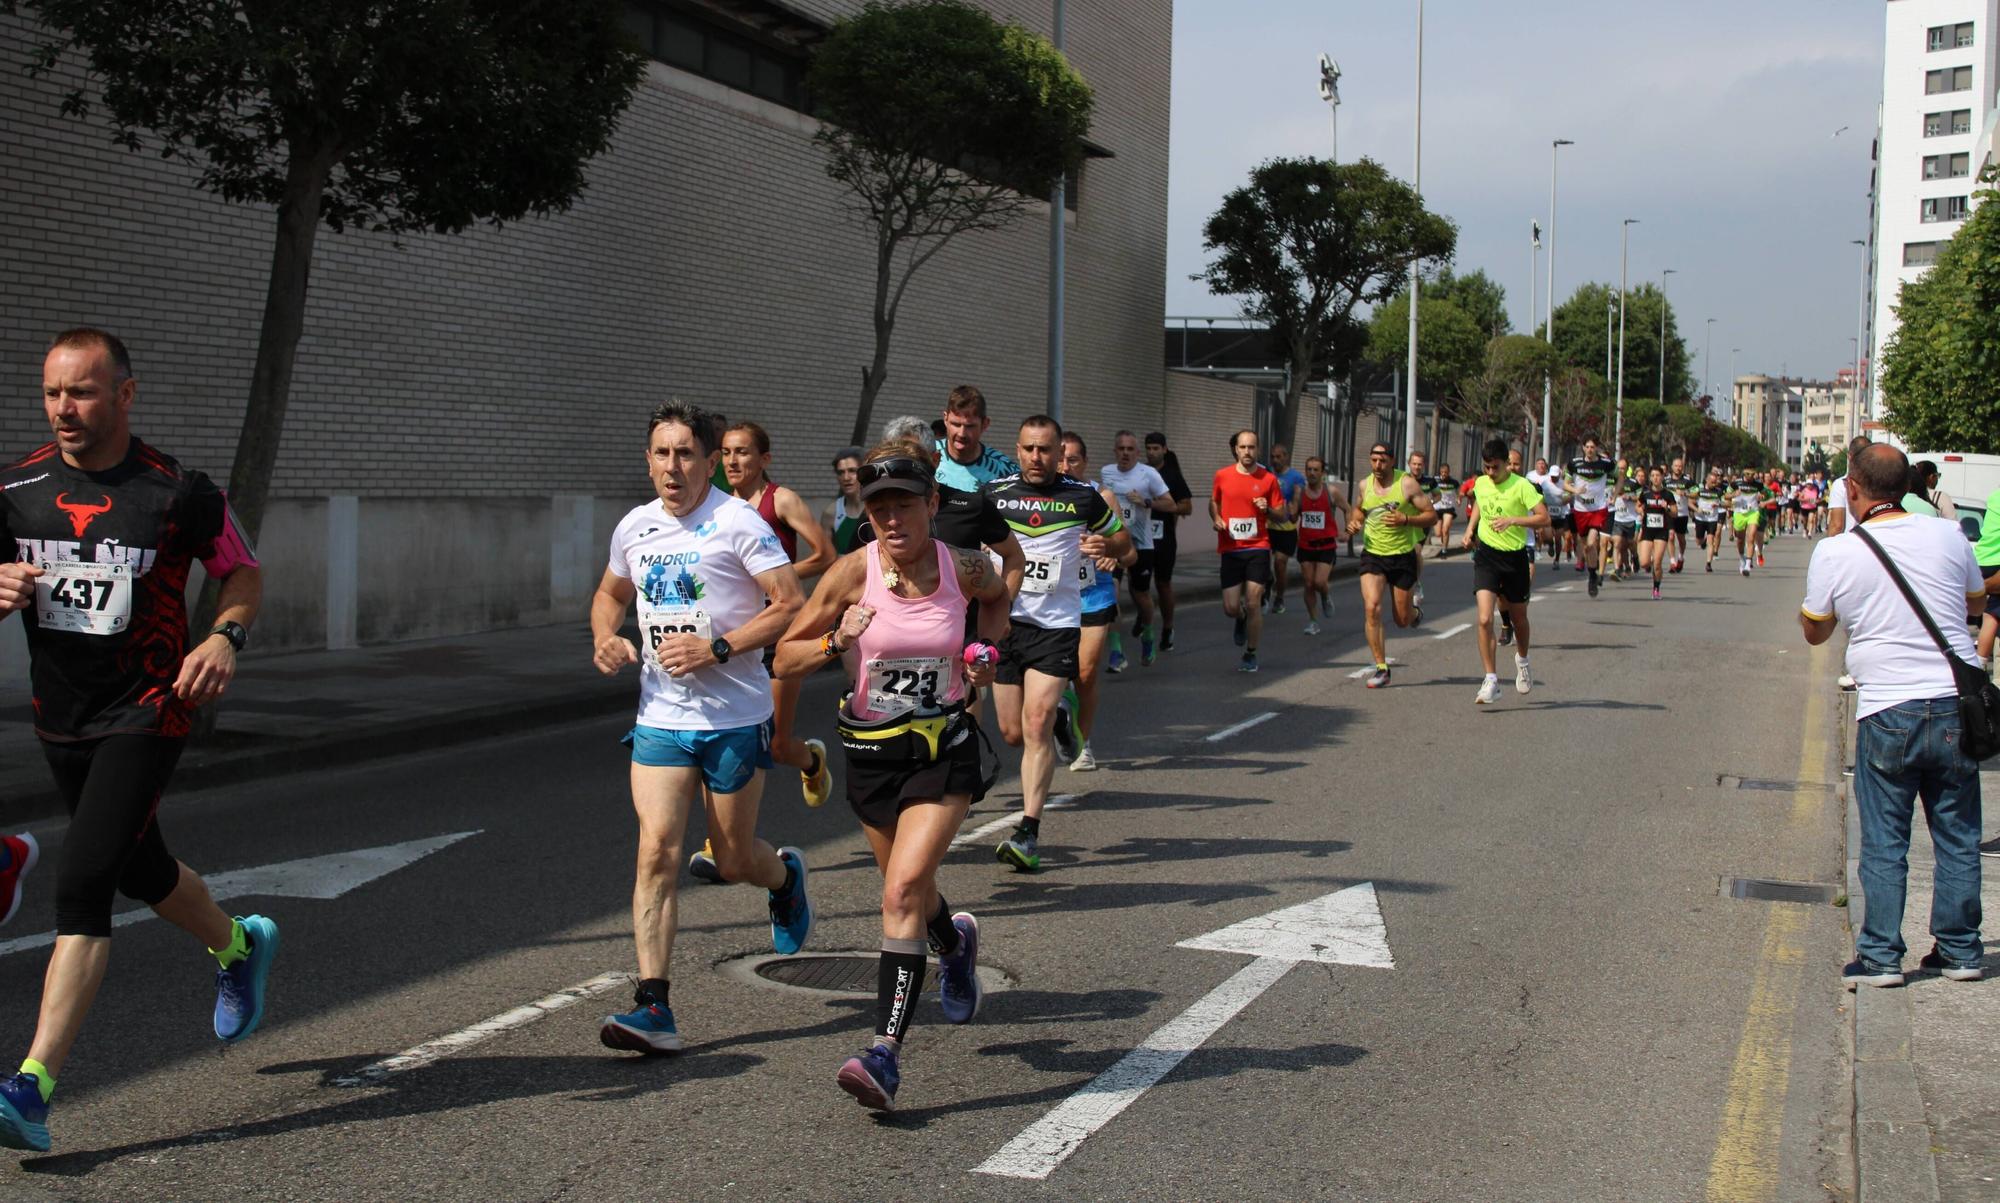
1156, 530
1745, 503
1125, 514
1086, 573
1242, 529
898, 686
1312, 520
1655, 521
90, 599
658, 622
1041, 574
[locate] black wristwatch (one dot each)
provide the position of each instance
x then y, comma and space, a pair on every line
234, 632
720, 649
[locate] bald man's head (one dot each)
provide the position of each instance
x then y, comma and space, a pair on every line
1878, 472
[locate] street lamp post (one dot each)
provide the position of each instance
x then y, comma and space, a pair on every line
1707, 348
1624, 256
1860, 330
1662, 382
1610, 309
1329, 91
1058, 302
1732, 388
1417, 185
1549, 326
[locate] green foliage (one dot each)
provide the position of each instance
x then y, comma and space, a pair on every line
1450, 346
423, 114
1505, 395
1305, 242
1941, 368
1580, 338
939, 121
1478, 295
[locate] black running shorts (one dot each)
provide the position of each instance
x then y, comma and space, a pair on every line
1400, 569
1240, 567
1506, 573
1046, 651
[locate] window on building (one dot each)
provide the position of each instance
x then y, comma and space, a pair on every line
1961, 121
1919, 254
1956, 207
1944, 208
710, 46
1948, 37
1947, 167
1947, 79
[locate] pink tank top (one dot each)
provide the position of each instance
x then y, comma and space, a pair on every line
913, 646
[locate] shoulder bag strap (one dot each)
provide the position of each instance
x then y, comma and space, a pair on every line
1909, 595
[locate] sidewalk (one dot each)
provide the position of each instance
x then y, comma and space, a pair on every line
1927, 1055
297, 712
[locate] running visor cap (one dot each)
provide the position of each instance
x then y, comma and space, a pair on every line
900, 472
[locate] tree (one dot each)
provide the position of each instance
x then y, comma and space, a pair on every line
1506, 394
1940, 366
1304, 243
940, 121
1450, 346
1478, 295
1580, 337
1576, 407
397, 116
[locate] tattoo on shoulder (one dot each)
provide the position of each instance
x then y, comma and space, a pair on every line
975, 566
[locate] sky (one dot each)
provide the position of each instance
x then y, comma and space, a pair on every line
1712, 123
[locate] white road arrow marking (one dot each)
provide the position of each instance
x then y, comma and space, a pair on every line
1342, 928
1055, 802
322, 877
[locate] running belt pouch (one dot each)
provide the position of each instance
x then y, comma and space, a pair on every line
1978, 697
898, 740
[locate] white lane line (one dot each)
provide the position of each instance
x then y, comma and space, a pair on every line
1562, 589
1449, 632
1044, 1144
486, 1029
1055, 802
1241, 727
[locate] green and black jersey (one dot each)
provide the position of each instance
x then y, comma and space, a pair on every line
1049, 520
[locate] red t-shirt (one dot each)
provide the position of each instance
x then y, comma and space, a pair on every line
1234, 494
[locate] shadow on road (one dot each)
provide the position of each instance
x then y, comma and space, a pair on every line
1146, 849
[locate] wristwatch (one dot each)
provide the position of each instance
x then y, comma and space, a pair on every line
234, 632
720, 649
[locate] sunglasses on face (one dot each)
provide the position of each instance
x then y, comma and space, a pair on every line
899, 468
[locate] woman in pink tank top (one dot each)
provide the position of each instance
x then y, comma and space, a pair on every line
893, 612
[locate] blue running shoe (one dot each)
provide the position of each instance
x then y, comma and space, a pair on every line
647, 1028
239, 989
1147, 652
1117, 662
791, 914
872, 1078
24, 1117
22, 854
958, 974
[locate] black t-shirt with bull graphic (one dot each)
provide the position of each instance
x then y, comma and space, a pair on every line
108, 629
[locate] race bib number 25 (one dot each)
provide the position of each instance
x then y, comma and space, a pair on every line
90, 599
1041, 574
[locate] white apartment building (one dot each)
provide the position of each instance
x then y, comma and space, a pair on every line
1937, 114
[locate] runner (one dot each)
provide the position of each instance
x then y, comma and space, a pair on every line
1166, 534
895, 616
1283, 526
1658, 506
1810, 492
746, 458
1767, 513
965, 519
1624, 526
1241, 501
104, 529
1682, 487
713, 585
842, 517
1747, 498
1319, 539
1427, 487
1140, 492
964, 461
1058, 521
1505, 508
1587, 482
1708, 502
1100, 612
1446, 506
1391, 518
1560, 538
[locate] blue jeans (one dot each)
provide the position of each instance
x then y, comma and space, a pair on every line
1903, 753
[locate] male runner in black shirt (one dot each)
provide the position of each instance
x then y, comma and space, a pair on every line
1166, 540
100, 531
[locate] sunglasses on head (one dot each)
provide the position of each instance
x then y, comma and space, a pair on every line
899, 468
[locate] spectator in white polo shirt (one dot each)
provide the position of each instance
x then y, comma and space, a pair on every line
1907, 742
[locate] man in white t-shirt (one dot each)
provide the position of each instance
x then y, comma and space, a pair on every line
1836, 494
1907, 742
1140, 489
712, 585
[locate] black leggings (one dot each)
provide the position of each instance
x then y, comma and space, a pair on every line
111, 787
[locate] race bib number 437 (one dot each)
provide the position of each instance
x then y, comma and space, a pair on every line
91, 599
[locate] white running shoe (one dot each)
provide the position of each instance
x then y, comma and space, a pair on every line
1845, 681
1524, 680
1312, 628
1086, 760
1489, 692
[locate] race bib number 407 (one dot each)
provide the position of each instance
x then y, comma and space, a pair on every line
1242, 529
90, 599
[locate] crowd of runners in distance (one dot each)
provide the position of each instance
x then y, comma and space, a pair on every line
957, 584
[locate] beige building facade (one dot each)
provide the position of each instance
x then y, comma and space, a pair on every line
469, 412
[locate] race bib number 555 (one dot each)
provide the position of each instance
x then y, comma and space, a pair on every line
91, 599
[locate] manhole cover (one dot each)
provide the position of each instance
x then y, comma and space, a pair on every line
851, 973
1766, 889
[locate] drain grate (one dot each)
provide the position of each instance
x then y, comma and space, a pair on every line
1767, 784
846, 974
1768, 889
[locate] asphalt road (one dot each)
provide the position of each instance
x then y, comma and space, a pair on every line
1575, 1011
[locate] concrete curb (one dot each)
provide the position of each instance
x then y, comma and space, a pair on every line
1893, 1162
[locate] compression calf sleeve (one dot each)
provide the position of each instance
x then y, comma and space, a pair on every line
899, 979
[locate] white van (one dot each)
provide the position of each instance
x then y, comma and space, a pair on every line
1970, 479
